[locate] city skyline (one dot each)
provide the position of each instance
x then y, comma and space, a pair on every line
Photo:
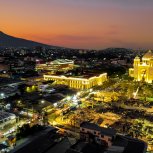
95, 24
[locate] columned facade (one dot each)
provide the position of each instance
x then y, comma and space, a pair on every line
143, 69
78, 83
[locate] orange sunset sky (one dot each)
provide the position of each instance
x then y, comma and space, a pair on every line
91, 24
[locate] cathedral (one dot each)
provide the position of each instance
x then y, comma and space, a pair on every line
143, 68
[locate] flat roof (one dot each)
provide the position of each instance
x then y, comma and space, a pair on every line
135, 146
105, 131
83, 147
62, 61
38, 143
60, 147
84, 76
122, 144
5, 115
8, 81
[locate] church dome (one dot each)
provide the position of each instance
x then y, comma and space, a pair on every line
148, 55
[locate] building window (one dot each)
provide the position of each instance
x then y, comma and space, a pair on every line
82, 129
98, 139
109, 139
102, 136
95, 132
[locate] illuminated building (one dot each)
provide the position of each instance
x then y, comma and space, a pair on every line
143, 69
102, 135
56, 65
78, 82
6, 119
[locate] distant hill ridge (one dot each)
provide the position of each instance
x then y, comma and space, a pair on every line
10, 41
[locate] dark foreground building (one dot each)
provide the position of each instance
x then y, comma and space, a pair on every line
93, 139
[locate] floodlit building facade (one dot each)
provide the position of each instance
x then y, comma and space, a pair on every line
78, 82
143, 68
56, 65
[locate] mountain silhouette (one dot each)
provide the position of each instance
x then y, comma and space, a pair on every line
10, 41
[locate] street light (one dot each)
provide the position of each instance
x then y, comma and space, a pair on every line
42, 101
68, 98
19, 101
2, 94
74, 97
55, 104
91, 90
78, 94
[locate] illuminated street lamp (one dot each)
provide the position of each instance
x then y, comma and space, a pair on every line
8, 106
2, 94
55, 104
42, 101
19, 101
78, 94
74, 97
37, 60
91, 90
68, 98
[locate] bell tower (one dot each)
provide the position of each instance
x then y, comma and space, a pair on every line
136, 61
136, 68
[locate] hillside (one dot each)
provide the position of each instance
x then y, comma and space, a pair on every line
10, 41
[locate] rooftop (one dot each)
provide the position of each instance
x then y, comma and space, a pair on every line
148, 55
6, 115
105, 131
135, 146
9, 81
122, 144
38, 143
83, 147
82, 76
48, 141
60, 147
62, 61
